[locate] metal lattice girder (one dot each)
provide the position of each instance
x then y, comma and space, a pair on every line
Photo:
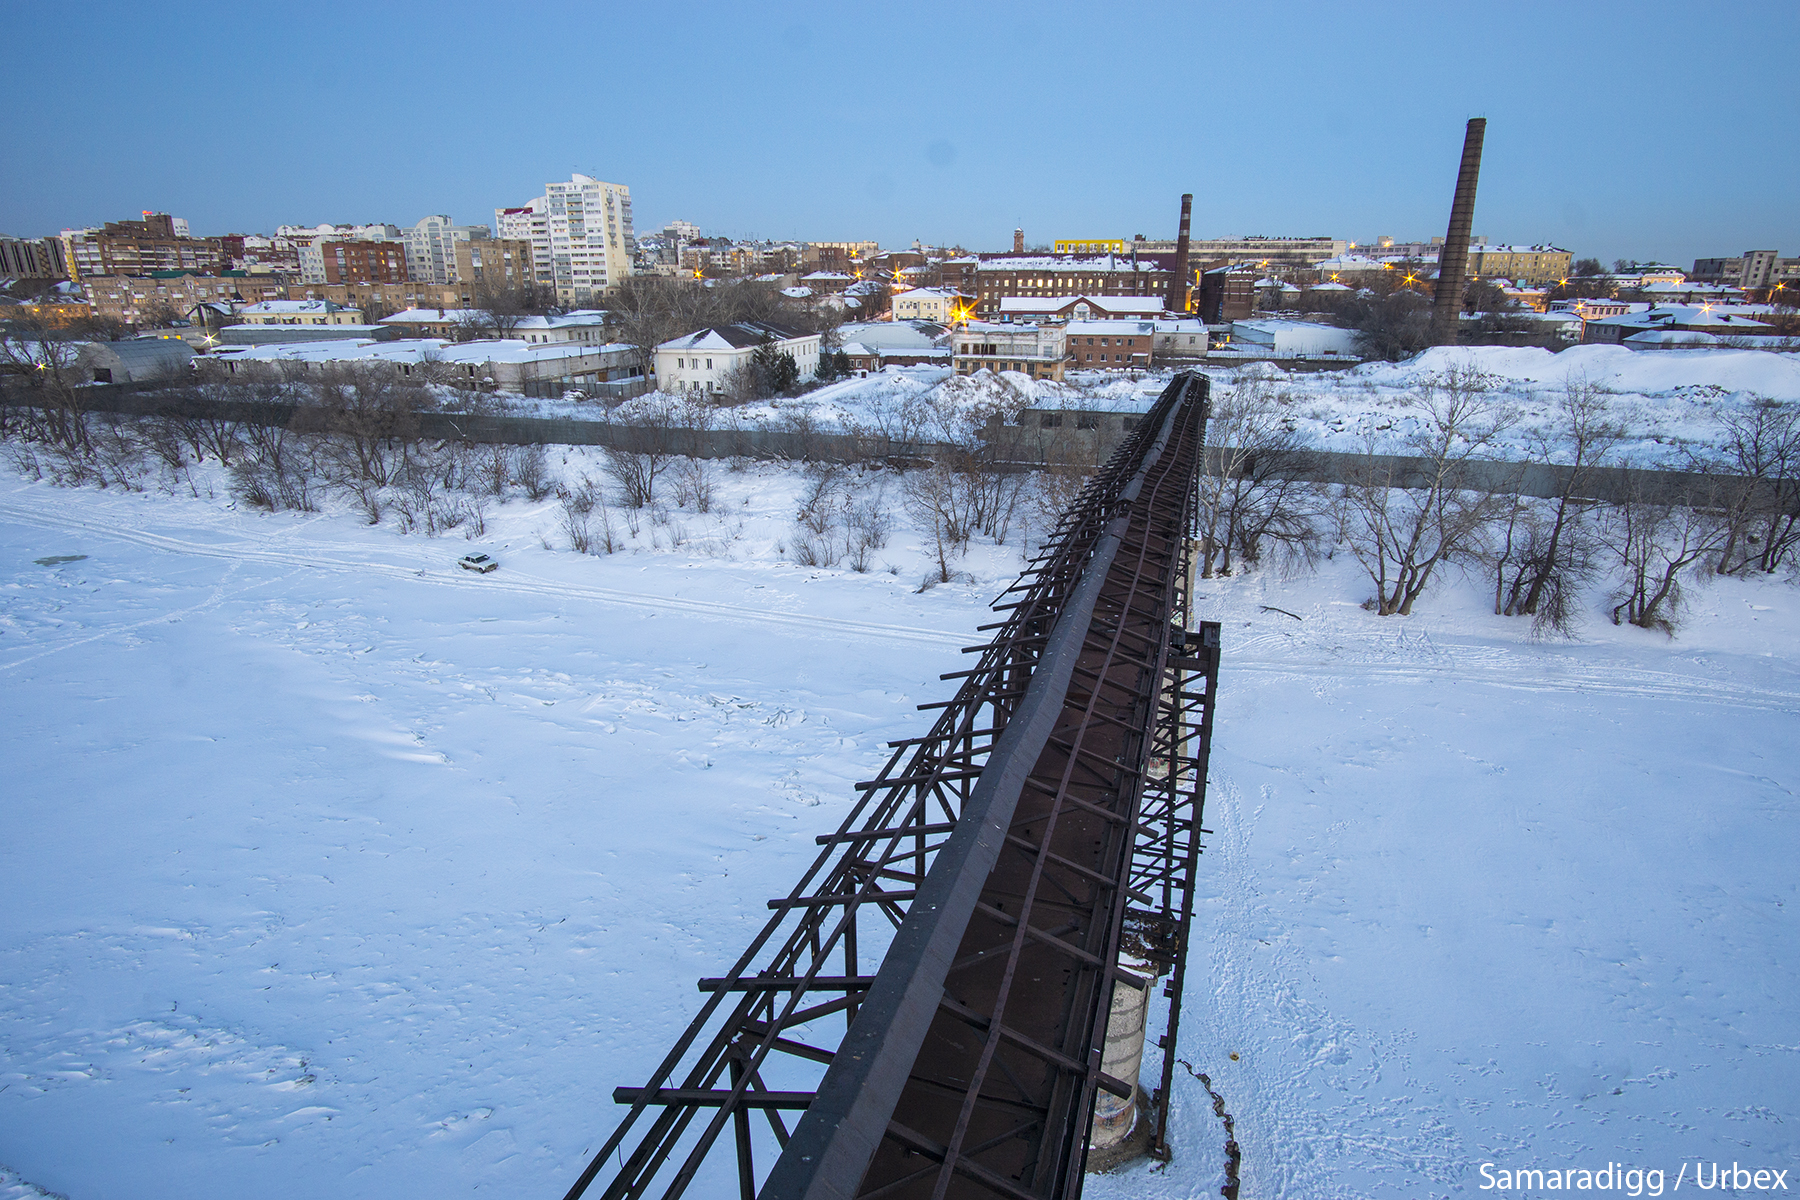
988, 867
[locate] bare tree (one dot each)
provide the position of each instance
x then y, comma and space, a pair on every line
46, 365
1403, 518
643, 445
372, 415
1252, 491
1654, 539
1542, 554
1760, 464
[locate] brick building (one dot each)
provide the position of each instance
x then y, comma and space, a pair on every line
1044, 275
1228, 292
1111, 345
493, 263
133, 298
365, 262
159, 242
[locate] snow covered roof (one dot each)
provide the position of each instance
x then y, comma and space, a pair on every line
1739, 317
892, 335
923, 293
585, 318
827, 276
1333, 287
796, 293
423, 316
1051, 262
291, 306
1672, 338
733, 337
1098, 328
1148, 306
416, 350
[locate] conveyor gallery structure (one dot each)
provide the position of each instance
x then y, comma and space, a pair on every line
952, 1001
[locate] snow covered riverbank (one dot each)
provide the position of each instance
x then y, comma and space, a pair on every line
335, 870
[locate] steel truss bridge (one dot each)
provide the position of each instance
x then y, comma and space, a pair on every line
995, 869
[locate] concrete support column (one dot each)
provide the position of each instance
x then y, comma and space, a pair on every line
1115, 1117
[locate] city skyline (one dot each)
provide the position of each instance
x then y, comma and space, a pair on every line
809, 124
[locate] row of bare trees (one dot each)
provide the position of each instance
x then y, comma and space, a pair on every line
1449, 501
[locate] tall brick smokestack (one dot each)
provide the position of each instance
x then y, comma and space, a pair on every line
1453, 259
1177, 300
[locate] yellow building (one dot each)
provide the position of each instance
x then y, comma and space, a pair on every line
927, 304
1522, 264
1093, 246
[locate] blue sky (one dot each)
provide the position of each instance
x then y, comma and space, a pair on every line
1647, 130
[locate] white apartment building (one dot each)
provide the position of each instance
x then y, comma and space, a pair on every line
431, 248
699, 361
580, 233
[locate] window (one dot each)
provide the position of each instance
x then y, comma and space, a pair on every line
709, 364
682, 363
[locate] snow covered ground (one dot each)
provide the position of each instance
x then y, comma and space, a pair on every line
334, 870
1667, 400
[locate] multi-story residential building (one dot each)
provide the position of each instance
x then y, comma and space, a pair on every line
529, 223
365, 262
159, 242
268, 255
1522, 264
494, 264
1111, 345
581, 236
1041, 276
701, 361
431, 247
1752, 269
1036, 350
134, 298
307, 241
33, 258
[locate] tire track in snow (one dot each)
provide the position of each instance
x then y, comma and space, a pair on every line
516, 582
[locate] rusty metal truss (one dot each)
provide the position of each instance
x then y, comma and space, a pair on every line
994, 869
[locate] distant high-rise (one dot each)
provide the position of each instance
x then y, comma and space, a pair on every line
580, 235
